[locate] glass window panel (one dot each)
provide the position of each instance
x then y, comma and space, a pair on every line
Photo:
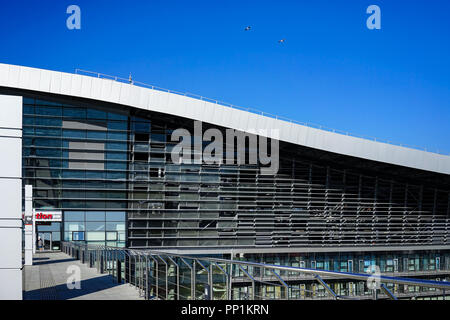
115, 226
28, 131
49, 111
95, 216
53, 122
53, 226
27, 100
48, 132
74, 204
73, 194
95, 236
95, 194
116, 204
116, 166
56, 236
78, 236
188, 224
73, 174
74, 216
111, 236
75, 112
97, 242
116, 195
28, 109
116, 116
74, 226
116, 185
95, 174
74, 133
73, 184
158, 138
95, 204
116, 146
54, 173
95, 184
117, 125
117, 136
95, 226
28, 120
141, 127
48, 153
115, 216
96, 135
115, 175
46, 142
47, 103
182, 243
96, 114
116, 156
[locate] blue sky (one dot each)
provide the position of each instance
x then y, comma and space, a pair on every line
392, 83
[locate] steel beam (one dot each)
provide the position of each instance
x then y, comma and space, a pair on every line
285, 285
252, 279
192, 277
329, 290
177, 276
388, 292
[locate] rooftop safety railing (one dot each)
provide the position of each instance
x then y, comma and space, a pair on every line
252, 110
167, 276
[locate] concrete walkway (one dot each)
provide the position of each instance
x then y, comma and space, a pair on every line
47, 280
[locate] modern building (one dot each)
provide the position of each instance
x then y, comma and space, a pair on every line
98, 153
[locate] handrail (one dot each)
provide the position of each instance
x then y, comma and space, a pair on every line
77, 250
251, 110
339, 274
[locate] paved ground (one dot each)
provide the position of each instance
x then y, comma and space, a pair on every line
47, 280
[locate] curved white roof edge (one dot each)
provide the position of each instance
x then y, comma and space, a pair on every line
106, 90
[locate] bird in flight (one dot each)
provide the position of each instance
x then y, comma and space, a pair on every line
281, 41
247, 28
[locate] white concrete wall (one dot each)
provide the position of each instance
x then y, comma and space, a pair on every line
11, 198
153, 100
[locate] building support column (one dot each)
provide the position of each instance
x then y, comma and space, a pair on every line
11, 198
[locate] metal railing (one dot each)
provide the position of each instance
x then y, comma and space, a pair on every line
251, 110
166, 276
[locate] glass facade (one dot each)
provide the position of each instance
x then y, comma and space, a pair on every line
431, 265
101, 158
95, 227
76, 160
109, 170
50, 234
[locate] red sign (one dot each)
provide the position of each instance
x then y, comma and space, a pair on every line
42, 216
50, 216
